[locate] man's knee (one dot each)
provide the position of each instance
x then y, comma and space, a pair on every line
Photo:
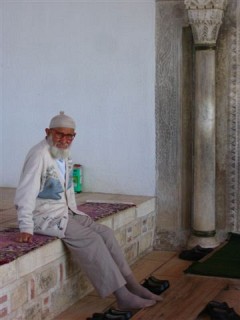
108, 235
108, 231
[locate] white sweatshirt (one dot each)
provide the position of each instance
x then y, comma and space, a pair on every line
42, 197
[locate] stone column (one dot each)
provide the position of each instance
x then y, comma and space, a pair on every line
205, 17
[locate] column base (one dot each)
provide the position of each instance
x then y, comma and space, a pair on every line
204, 242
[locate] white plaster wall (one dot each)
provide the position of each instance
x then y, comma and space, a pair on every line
1, 102
96, 61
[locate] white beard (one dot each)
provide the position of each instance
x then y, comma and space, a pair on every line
56, 152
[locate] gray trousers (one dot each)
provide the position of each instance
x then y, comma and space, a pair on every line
94, 247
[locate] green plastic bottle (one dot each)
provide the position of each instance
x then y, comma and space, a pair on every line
77, 178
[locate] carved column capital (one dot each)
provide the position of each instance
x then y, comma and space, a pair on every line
205, 17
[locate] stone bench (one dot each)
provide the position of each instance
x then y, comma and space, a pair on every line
45, 282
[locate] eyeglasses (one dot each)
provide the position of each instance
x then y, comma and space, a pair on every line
60, 135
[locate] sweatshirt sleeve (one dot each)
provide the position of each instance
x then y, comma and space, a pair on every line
28, 190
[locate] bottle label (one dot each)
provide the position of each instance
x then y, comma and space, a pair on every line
77, 179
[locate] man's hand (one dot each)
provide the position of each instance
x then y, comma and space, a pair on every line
25, 237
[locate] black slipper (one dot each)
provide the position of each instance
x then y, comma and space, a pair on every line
217, 304
195, 254
155, 285
220, 311
154, 282
116, 312
106, 316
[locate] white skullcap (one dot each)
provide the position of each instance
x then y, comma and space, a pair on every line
62, 121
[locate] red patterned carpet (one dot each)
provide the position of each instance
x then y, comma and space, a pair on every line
11, 249
98, 210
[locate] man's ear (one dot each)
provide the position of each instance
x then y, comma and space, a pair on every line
47, 130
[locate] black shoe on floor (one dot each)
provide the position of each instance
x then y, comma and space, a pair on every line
106, 316
116, 312
220, 311
155, 285
195, 254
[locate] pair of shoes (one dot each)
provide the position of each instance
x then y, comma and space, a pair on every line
195, 253
112, 314
220, 311
155, 285
116, 312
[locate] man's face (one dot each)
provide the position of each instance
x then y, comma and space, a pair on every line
61, 137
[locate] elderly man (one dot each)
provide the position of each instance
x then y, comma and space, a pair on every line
45, 203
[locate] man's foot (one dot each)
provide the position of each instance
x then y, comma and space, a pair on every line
144, 293
126, 300
137, 289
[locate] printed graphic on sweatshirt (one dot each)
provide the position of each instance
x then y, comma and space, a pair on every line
51, 186
51, 223
51, 190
